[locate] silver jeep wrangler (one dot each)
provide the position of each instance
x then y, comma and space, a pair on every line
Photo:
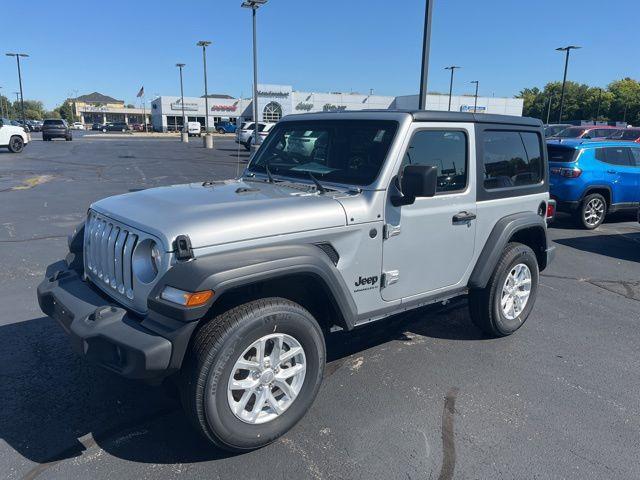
340, 219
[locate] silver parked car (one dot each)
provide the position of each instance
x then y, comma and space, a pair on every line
229, 288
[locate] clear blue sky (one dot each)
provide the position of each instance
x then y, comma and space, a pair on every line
116, 46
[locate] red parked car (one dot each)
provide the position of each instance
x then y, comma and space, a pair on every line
630, 134
586, 132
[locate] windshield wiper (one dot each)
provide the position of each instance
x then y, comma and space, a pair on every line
319, 186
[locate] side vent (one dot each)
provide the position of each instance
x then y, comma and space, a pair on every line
328, 249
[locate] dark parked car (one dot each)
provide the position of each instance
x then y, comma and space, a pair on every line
97, 127
116, 127
55, 128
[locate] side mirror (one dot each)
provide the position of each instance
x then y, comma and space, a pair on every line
416, 181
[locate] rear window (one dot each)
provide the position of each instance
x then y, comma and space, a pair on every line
561, 154
511, 159
626, 134
54, 122
571, 132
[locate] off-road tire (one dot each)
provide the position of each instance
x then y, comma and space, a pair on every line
16, 144
586, 201
216, 347
484, 303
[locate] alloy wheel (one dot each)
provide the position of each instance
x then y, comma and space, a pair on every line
266, 378
516, 291
594, 212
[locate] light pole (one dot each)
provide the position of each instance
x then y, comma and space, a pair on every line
208, 139
549, 107
475, 100
184, 122
452, 68
18, 55
566, 49
254, 5
426, 44
1, 106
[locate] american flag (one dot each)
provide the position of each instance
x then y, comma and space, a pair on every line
141, 92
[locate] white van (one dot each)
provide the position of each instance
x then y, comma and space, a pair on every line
193, 128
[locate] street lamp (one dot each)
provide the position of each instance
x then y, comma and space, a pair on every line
18, 55
254, 5
426, 43
566, 49
204, 44
598, 109
452, 68
184, 123
475, 100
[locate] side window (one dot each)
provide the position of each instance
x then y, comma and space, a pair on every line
447, 150
511, 159
617, 156
635, 156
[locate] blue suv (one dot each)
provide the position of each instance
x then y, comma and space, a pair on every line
591, 179
226, 127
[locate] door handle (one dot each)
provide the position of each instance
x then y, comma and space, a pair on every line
611, 171
463, 217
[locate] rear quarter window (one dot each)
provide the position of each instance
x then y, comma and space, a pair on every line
511, 159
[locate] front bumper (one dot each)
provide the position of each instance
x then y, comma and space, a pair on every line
149, 347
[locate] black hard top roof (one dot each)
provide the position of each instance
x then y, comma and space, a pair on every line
438, 116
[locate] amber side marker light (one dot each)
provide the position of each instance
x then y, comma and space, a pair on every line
186, 299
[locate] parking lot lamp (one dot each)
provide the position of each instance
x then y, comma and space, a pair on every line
184, 121
598, 109
566, 49
452, 68
18, 55
254, 5
475, 100
549, 107
204, 44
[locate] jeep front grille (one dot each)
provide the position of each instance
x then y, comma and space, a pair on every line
108, 253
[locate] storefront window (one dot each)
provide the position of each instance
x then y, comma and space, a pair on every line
272, 112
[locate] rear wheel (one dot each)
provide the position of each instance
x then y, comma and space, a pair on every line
104, 130
252, 373
505, 303
592, 211
16, 144
221, 131
247, 145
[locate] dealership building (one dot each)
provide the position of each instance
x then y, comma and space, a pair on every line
274, 102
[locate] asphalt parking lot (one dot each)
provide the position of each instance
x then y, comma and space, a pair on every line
422, 395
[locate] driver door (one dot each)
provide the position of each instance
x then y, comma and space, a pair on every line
429, 244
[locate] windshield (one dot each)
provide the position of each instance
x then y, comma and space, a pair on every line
625, 135
346, 151
571, 132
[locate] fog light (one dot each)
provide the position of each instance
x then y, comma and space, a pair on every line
186, 299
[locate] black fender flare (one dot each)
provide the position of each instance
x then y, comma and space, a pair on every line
225, 271
502, 231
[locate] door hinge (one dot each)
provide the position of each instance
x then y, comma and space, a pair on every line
390, 277
391, 230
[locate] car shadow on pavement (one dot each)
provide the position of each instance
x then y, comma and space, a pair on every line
568, 222
619, 246
56, 406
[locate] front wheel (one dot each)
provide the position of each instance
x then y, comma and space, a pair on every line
592, 211
252, 373
221, 131
504, 304
16, 144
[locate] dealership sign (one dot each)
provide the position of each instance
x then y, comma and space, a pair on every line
469, 108
304, 106
192, 107
224, 108
328, 107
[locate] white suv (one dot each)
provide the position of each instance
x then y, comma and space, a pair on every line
12, 137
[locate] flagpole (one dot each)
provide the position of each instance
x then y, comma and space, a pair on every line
144, 115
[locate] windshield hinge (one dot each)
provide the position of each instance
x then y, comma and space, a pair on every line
390, 231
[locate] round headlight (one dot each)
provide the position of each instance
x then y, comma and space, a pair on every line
147, 259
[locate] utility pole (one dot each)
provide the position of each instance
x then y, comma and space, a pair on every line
549, 107
426, 44
18, 55
598, 109
452, 68
564, 78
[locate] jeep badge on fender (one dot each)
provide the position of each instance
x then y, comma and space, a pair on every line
229, 288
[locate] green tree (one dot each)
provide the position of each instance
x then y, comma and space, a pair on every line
626, 100
65, 111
